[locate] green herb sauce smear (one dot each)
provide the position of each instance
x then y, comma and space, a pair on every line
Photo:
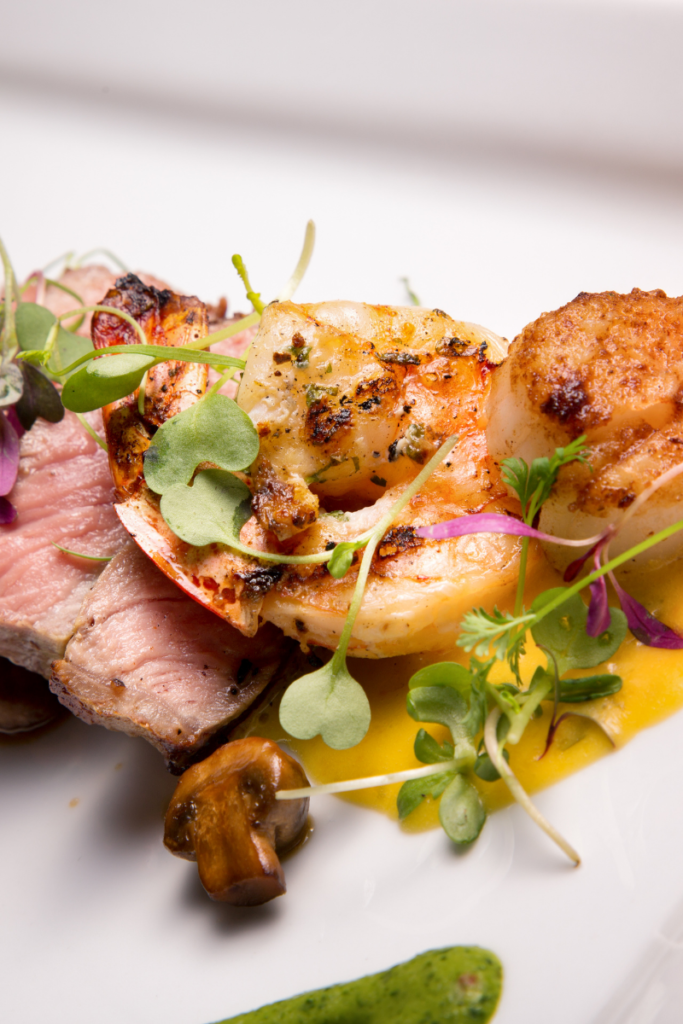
457, 985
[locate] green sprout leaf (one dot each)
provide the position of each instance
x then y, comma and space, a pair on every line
429, 751
563, 632
486, 769
341, 559
449, 703
214, 430
213, 510
580, 688
105, 380
412, 793
328, 702
34, 324
461, 812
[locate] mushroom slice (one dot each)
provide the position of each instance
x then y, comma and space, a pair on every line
224, 815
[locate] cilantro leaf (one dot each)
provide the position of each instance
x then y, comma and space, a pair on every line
533, 484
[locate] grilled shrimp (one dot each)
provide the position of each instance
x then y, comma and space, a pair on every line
349, 401
611, 367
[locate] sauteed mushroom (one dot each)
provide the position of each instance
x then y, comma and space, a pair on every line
225, 816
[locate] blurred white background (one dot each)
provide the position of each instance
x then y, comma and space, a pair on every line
505, 155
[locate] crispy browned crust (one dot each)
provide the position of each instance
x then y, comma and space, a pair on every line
608, 366
601, 344
167, 319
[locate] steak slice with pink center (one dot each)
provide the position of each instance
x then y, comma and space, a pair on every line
149, 661
63, 494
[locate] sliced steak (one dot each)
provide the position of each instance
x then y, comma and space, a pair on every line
63, 494
149, 661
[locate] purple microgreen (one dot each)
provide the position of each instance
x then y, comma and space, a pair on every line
550, 655
39, 398
599, 615
494, 522
9, 455
11, 415
8, 513
552, 732
644, 626
575, 567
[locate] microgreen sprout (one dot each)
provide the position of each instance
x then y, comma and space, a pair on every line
412, 297
25, 392
532, 485
80, 554
329, 701
288, 290
254, 297
571, 635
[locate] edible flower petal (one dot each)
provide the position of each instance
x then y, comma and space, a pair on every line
483, 522
644, 626
9, 455
598, 610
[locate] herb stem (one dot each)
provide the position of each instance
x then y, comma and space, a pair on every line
226, 332
519, 598
106, 309
493, 749
352, 785
168, 352
625, 556
79, 554
378, 532
254, 297
8, 338
142, 394
97, 252
302, 266
93, 433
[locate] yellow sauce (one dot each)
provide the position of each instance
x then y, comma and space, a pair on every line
652, 690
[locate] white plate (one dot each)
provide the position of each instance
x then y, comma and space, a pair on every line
98, 922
